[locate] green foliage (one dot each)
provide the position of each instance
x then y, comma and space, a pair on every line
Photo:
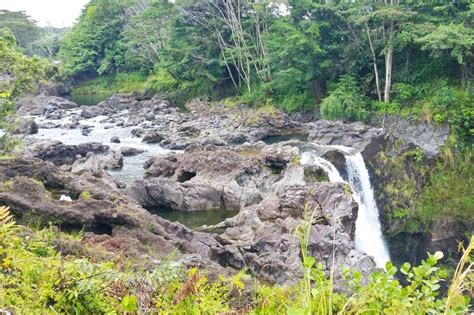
22, 73
36, 279
457, 39
94, 45
22, 26
345, 102
116, 83
19, 74
449, 191
85, 195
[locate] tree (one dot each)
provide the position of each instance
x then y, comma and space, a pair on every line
94, 45
147, 32
455, 39
22, 26
374, 26
19, 74
49, 43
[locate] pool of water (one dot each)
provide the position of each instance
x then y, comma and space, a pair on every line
88, 99
193, 219
282, 138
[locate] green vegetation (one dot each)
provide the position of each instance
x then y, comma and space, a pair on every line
353, 59
448, 194
35, 278
85, 195
345, 102
121, 83
18, 74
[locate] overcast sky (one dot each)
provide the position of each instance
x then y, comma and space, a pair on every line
57, 13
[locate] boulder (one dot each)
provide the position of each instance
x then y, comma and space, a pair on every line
24, 127
164, 166
59, 153
115, 139
96, 163
153, 137
129, 151
42, 104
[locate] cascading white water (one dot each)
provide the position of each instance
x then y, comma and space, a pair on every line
331, 170
368, 235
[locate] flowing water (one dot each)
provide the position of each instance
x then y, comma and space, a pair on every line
368, 235
103, 132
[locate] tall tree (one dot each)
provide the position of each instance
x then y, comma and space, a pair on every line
94, 45
22, 26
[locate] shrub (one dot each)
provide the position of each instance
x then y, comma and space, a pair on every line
345, 102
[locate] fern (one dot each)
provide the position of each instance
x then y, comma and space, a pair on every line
5, 215
7, 225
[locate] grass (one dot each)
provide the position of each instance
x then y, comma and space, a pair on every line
118, 83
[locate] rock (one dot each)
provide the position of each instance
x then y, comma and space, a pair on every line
88, 113
96, 163
115, 139
86, 130
429, 137
107, 210
367, 140
42, 104
59, 153
153, 137
129, 151
24, 127
161, 166
48, 125
137, 132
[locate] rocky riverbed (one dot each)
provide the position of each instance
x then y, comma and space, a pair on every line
100, 167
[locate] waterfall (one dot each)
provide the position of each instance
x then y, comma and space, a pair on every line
368, 234
331, 170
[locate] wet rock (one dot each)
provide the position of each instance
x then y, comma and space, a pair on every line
153, 137
48, 125
115, 139
88, 113
129, 151
86, 130
368, 140
137, 132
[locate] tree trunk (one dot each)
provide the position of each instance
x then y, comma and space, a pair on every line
374, 62
388, 65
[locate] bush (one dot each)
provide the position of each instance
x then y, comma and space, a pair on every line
345, 102
449, 191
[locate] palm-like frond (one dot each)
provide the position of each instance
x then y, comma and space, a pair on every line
5, 215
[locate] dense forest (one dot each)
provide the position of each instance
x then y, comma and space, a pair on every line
351, 60
348, 61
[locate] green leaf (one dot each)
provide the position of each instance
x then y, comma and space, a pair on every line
129, 303
309, 262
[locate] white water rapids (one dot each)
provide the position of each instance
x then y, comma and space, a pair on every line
368, 235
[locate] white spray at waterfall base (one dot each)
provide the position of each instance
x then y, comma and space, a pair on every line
368, 235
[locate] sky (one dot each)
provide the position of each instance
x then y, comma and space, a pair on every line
57, 13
